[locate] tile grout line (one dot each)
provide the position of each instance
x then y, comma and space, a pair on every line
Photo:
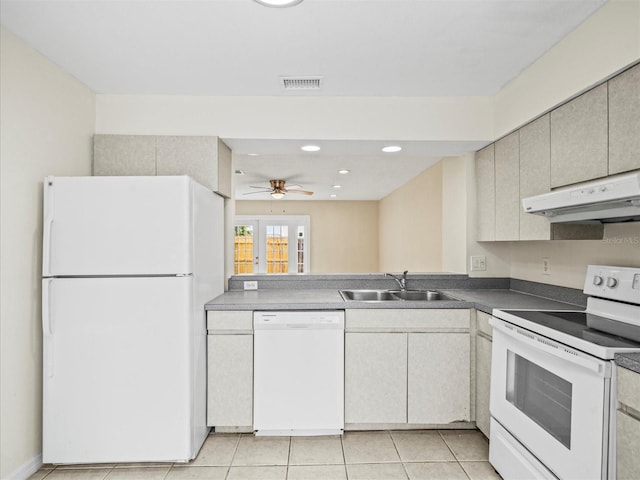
286, 472
235, 451
344, 458
406, 472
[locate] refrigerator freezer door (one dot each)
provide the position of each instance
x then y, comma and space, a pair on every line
117, 226
119, 370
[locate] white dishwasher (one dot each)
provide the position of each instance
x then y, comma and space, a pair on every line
298, 373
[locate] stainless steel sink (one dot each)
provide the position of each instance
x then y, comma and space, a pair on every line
420, 295
368, 295
393, 295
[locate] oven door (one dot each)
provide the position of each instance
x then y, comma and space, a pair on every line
554, 400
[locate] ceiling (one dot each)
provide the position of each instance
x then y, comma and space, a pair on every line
356, 47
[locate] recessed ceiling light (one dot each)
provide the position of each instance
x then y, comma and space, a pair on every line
333, 195
344, 171
310, 148
391, 149
252, 154
336, 186
278, 3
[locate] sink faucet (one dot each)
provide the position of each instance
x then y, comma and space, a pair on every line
402, 282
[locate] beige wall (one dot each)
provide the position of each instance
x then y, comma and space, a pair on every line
46, 122
454, 213
607, 42
411, 225
344, 235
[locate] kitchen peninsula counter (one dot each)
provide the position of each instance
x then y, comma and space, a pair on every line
330, 299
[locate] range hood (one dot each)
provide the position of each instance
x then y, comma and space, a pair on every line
613, 200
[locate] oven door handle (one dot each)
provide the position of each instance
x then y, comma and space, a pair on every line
553, 348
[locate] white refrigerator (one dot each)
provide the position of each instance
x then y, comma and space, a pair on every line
128, 263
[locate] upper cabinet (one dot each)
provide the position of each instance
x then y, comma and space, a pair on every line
592, 136
624, 121
206, 159
579, 139
507, 196
535, 166
485, 194
124, 155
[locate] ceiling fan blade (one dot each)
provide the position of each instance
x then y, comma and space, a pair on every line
265, 188
253, 193
304, 192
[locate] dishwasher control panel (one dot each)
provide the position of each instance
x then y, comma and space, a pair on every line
299, 319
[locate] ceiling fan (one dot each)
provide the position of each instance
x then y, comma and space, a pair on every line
279, 190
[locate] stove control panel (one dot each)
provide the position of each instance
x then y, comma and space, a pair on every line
614, 283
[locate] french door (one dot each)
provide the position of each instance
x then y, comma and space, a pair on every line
271, 244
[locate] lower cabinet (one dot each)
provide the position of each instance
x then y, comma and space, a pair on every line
483, 371
230, 370
628, 425
375, 377
407, 366
439, 380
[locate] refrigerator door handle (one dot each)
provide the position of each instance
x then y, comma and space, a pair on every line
47, 326
47, 226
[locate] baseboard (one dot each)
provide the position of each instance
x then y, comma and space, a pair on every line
27, 469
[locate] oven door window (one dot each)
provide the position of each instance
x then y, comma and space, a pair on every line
541, 395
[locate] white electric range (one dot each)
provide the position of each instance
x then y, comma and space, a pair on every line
553, 394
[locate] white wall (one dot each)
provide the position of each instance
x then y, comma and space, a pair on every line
46, 122
360, 118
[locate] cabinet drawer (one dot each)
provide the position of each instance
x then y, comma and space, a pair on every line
629, 388
230, 321
407, 320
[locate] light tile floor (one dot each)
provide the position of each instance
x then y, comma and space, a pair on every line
408, 455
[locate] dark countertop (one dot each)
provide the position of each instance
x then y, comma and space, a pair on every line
482, 299
630, 361
488, 299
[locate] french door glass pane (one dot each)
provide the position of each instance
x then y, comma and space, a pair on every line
243, 254
541, 395
277, 248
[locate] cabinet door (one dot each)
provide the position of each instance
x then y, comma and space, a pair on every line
439, 378
507, 195
124, 155
624, 121
375, 378
230, 380
627, 447
483, 383
579, 133
535, 166
485, 194
193, 156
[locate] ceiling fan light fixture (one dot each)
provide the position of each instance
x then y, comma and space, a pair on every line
277, 195
278, 3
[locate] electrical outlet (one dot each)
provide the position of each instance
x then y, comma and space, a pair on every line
546, 266
251, 285
478, 263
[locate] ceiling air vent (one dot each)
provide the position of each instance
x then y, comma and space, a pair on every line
301, 83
